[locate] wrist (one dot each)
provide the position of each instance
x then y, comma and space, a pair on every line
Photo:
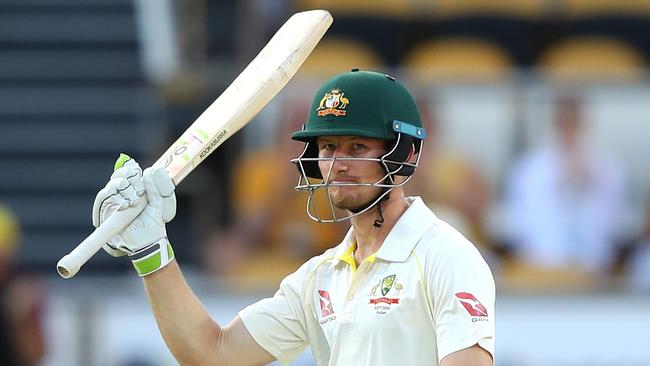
153, 257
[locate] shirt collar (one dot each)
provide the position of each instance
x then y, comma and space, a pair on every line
402, 238
344, 249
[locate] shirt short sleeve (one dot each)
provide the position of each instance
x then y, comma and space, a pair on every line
462, 293
278, 323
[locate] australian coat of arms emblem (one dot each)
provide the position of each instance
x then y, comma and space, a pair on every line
334, 103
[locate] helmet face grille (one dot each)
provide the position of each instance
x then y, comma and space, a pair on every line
365, 104
312, 181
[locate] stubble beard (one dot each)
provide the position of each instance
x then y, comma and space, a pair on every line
355, 199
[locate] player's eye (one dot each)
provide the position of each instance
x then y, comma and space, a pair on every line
329, 147
358, 147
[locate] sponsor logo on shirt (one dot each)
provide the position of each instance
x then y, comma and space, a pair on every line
326, 307
388, 286
474, 307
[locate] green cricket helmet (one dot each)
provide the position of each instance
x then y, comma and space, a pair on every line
365, 104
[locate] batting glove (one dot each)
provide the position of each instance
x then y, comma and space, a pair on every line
145, 239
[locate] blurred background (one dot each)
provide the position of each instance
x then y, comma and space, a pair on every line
537, 115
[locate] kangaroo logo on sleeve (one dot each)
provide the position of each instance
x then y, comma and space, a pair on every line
471, 304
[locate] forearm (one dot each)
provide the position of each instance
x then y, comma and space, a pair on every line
187, 328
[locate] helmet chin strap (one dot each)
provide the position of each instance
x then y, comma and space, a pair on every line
379, 222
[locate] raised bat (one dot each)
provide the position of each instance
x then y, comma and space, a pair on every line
260, 81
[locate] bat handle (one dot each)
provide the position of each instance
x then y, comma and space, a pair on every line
70, 264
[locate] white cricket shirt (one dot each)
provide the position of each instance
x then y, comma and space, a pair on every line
426, 293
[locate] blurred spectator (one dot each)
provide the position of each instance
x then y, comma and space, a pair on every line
21, 334
564, 201
270, 234
639, 264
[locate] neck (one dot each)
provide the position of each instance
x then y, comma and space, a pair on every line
370, 238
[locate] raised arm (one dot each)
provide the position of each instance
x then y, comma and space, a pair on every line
189, 331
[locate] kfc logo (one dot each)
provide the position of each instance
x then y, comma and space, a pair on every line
471, 304
326, 308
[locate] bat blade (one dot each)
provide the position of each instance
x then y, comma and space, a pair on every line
260, 81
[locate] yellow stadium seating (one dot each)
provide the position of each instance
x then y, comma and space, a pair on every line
389, 8
586, 8
584, 59
457, 59
519, 8
333, 56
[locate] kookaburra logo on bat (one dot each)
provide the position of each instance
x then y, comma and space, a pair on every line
191, 141
334, 103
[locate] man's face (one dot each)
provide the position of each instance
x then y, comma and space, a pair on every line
345, 171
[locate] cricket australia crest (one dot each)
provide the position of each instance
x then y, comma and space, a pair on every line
334, 103
387, 285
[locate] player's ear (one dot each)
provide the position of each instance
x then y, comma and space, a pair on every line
412, 154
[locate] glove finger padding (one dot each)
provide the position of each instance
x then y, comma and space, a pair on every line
113, 197
123, 190
160, 193
132, 173
145, 238
135, 176
110, 199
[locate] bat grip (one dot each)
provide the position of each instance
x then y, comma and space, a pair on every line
70, 264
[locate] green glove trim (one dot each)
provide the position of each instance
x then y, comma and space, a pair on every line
153, 257
121, 161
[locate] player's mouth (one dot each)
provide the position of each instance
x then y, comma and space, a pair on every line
342, 180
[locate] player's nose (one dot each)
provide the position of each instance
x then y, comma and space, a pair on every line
339, 165
334, 167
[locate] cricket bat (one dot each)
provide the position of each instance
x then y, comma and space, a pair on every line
260, 81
